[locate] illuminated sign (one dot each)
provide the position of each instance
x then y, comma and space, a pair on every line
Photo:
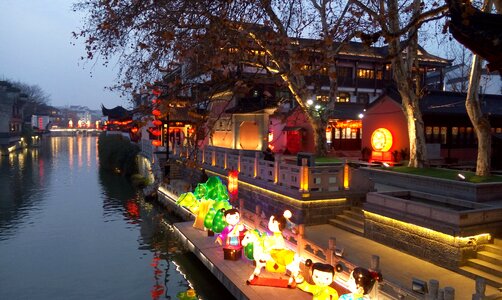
381, 140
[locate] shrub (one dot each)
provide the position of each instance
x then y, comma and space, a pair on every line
117, 154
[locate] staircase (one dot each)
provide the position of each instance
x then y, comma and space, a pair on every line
487, 264
351, 219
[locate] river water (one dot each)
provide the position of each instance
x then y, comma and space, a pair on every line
71, 231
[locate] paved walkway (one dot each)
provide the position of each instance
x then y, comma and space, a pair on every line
396, 266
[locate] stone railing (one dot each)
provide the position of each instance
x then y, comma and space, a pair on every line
283, 175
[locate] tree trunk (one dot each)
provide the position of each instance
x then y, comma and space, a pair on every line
480, 123
319, 130
408, 88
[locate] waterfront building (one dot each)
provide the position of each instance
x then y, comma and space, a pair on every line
11, 117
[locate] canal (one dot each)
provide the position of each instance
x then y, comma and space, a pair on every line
71, 231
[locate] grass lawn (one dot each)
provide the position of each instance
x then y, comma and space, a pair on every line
327, 160
446, 174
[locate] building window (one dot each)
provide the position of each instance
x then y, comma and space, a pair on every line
322, 98
365, 73
343, 97
444, 131
428, 133
344, 72
435, 134
363, 98
454, 135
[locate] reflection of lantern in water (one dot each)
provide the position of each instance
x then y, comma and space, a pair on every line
132, 209
381, 139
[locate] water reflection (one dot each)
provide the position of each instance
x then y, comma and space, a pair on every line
70, 231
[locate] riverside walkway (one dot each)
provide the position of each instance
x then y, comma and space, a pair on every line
396, 267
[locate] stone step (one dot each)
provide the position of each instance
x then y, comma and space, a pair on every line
491, 248
497, 242
349, 219
348, 227
354, 215
490, 278
490, 257
485, 266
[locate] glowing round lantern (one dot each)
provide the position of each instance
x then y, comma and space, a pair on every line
156, 132
156, 112
134, 129
157, 122
155, 100
381, 140
156, 92
156, 143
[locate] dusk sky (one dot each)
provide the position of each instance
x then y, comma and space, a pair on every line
36, 48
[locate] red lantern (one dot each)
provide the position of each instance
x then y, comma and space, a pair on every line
156, 92
157, 122
155, 101
156, 132
156, 143
156, 112
233, 179
134, 129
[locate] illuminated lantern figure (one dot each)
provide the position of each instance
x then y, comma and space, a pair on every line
233, 183
271, 252
230, 237
381, 141
361, 282
323, 275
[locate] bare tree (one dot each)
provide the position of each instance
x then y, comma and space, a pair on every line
479, 121
157, 35
398, 23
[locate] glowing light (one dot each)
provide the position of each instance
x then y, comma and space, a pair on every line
233, 181
156, 112
381, 140
360, 116
461, 176
386, 165
134, 129
157, 122
346, 176
156, 143
310, 102
429, 233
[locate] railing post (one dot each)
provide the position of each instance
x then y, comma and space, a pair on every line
375, 266
203, 155
331, 250
304, 176
256, 159
213, 157
225, 160
257, 218
480, 289
239, 161
449, 293
300, 239
277, 159
433, 289
241, 206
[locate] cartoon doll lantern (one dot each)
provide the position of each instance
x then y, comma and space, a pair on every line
270, 251
323, 275
231, 235
361, 282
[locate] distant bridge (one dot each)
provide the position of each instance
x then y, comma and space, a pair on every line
74, 131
